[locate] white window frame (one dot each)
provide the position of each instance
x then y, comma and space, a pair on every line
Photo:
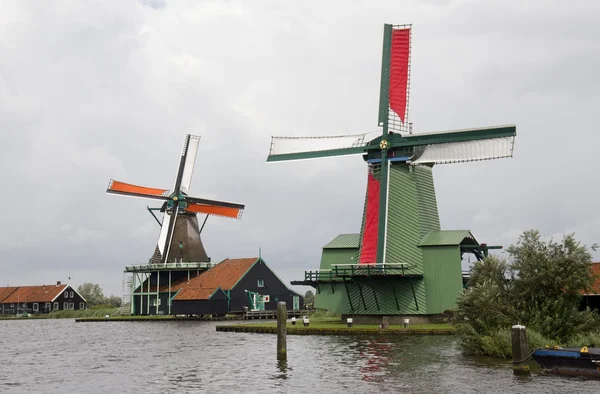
48, 307
260, 282
155, 301
65, 306
56, 306
71, 294
71, 306
66, 294
12, 305
82, 305
36, 307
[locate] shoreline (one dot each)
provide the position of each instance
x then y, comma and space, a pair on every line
323, 328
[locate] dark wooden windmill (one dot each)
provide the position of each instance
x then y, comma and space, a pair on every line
179, 239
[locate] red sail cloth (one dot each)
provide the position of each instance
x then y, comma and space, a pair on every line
368, 251
399, 71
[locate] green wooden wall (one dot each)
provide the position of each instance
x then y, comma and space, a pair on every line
443, 277
338, 256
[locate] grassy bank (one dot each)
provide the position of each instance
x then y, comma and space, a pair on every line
338, 325
327, 325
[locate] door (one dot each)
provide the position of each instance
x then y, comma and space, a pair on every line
296, 303
256, 301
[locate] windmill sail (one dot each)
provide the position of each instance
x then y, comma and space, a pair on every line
395, 78
127, 189
468, 145
298, 148
190, 160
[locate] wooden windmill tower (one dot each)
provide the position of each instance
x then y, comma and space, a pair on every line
404, 263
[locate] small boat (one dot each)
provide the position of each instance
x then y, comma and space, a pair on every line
569, 361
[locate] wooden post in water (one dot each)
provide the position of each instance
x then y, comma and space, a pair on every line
520, 349
281, 331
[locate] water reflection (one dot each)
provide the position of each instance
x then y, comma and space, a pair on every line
282, 367
377, 356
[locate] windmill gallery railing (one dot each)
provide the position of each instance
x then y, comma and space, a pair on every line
341, 271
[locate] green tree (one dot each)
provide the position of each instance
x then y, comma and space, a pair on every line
113, 301
309, 298
92, 293
539, 288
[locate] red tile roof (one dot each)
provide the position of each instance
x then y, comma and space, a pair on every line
223, 275
595, 289
34, 294
5, 292
194, 293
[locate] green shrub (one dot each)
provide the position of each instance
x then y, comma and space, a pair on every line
72, 314
539, 289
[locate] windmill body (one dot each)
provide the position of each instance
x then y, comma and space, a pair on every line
401, 262
179, 254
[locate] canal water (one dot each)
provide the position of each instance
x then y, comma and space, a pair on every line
61, 356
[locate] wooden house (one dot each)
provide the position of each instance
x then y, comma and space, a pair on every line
232, 286
591, 296
39, 299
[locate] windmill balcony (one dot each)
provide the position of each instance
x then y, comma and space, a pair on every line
168, 266
340, 271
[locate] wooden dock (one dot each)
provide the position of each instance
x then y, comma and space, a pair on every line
250, 315
250, 328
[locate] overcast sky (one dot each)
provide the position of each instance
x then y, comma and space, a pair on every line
93, 90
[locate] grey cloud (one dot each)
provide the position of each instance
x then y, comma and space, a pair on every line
89, 93
156, 4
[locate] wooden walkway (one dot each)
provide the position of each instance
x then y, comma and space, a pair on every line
251, 315
334, 331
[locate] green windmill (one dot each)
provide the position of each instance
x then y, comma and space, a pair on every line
401, 262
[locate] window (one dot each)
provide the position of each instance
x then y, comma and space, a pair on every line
71, 294
12, 305
276, 298
260, 283
65, 306
36, 307
156, 302
82, 305
48, 307
71, 305
66, 294
56, 306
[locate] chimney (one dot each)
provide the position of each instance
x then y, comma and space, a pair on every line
58, 283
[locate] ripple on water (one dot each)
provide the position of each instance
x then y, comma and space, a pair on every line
57, 356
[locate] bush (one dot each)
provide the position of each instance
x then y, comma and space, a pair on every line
72, 314
325, 314
539, 289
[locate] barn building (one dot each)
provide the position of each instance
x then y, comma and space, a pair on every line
245, 283
231, 286
17, 300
